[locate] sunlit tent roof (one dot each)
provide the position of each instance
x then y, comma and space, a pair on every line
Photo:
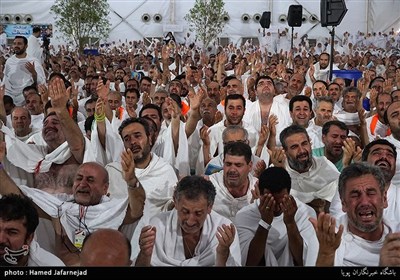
134, 20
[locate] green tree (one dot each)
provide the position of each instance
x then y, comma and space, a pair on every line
207, 19
79, 20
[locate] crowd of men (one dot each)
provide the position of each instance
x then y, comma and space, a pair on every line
168, 155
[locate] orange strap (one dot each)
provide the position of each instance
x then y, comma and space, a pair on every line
185, 107
71, 111
120, 112
372, 126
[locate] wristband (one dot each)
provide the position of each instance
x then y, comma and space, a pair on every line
264, 225
99, 118
1, 166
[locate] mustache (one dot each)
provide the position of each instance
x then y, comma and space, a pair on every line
135, 147
383, 160
302, 154
50, 129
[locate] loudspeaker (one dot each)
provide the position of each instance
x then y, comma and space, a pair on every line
28, 18
157, 18
7, 18
282, 18
313, 18
265, 20
256, 17
245, 17
295, 15
145, 17
17, 18
332, 12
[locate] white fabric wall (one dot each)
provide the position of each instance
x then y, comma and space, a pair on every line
362, 15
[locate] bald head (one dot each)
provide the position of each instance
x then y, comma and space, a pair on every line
106, 247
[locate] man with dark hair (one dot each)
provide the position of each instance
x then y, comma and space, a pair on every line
15, 80
375, 124
157, 176
390, 117
314, 179
235, 107
334, 136
301, 112
196, 235
234, 183
34, 48
18, 222
319, 70
275, 230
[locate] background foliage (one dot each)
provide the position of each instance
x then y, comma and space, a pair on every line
207, 19
79, 20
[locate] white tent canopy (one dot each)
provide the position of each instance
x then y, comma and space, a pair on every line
128, 22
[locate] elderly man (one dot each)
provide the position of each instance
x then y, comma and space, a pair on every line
86, 210
21, 123
192, 234
106, 247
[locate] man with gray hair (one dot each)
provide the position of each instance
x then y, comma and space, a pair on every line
233, 133
360, 234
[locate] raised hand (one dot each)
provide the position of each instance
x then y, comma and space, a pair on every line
103, 89
128, 168
329, 240
277, 157
226, 236
266, 207
147, 239
289, 208
58, 94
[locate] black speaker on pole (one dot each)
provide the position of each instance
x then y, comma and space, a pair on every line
332, 12
295, 15
265, 20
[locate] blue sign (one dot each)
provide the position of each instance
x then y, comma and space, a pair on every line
13, 30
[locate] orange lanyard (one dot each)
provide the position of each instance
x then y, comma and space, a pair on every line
373, 125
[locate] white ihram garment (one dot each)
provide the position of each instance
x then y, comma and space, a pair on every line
169, 249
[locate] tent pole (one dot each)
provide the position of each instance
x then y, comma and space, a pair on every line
332, 50
291, 42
